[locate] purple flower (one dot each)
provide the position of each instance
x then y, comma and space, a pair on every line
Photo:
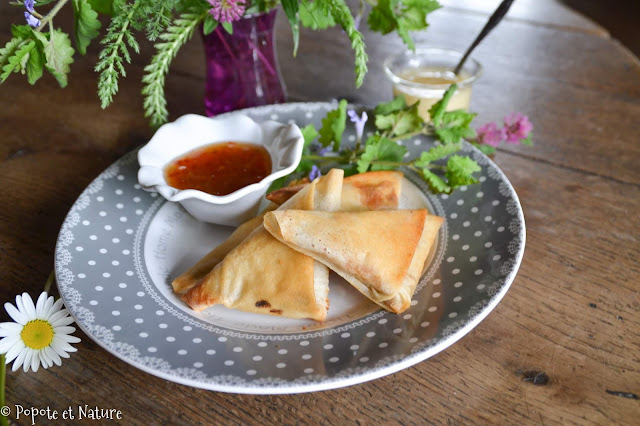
359, 121
357, 20
227, 10
517, 127
489, 134
31, 20
324, 151
29, 4
314, 173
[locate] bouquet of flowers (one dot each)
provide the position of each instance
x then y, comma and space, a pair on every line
38, 45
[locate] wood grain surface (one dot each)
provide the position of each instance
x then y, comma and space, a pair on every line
562, 347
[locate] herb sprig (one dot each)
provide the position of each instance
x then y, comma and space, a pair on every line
38, 46
394, 121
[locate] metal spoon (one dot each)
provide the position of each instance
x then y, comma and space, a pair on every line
497, 16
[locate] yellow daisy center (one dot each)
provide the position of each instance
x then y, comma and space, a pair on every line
37, 334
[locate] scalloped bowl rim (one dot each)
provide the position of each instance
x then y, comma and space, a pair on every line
184, 194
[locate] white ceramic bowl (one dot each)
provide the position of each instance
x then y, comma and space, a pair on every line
283, 141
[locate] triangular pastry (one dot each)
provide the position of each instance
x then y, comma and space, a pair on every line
263, 275
378, 190
381, 253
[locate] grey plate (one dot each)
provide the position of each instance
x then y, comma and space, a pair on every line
120, 246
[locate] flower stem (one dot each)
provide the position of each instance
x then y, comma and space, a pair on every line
3, 371
51, 14
47, 285
422, 131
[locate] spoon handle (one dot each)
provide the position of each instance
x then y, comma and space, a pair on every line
497, 16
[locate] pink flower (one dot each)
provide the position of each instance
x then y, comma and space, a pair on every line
489, 134
517, 127
227, 10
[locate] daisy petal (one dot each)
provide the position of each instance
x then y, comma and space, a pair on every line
35, 361
69, 339
40, 304
64, 330
46, 360
46, 310
9, 329
18, 362
29, 307
58, 347
15, 314
27, 360
7, 342
56, 306
55, 317
63, 321
52, 355
14, 352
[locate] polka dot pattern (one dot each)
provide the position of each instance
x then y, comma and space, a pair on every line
102, 247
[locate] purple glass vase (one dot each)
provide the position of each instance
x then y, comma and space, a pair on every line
242, 68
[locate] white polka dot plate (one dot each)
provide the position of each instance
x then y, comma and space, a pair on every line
120, 247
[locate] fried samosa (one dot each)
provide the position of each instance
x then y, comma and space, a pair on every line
380, 253
263, 275
190, 277
378, 190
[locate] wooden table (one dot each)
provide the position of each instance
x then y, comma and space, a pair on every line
572, 312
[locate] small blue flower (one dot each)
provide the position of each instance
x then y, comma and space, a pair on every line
324, 151
29, 4
314, 173
31, 20
358, 121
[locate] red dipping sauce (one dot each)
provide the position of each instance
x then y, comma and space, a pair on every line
219, 169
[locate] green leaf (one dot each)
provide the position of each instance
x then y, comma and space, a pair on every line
528, 140
438, 109
389, 151
291, 10
400, 122
59, 55
106, 7
485, 149
436, 184
370, 153
397, 104
228, 27
277, 184
309, 133
21, 31
333, 126
378, 148
15, 61
86, 24
454, 127
401, 16
460, 171
209, 24
10, 49
436, 153
382, 18
315, 15
35, 64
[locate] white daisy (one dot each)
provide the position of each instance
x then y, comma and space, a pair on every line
40, 334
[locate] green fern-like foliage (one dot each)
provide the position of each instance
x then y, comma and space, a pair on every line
175, 36
342, 15
115, 52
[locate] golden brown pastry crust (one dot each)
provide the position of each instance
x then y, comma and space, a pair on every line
381, 253
263, 275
